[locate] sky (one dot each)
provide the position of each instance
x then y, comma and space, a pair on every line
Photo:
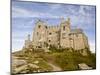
25, 15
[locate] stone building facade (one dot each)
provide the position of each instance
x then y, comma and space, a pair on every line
60, 35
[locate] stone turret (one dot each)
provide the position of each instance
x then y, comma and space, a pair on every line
28, 41
64, 31
40, 34
68, 22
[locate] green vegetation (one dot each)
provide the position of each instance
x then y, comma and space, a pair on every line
44, 66
70, 61
67, 59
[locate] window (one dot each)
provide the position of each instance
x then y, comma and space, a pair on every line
46, 27
64, 28
49, 40
70, 39
50, 33
39, 26
69, 34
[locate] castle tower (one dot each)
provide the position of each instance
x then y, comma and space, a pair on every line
65, 25
27, 41
40, 34
64, 31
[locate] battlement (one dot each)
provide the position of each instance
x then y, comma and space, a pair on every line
54, 27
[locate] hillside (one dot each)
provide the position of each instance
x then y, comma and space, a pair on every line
55, 60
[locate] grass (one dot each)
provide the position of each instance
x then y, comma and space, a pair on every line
44, 66
69, 60
66, 59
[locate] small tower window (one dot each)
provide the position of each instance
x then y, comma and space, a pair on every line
46, 27
39, 26
64, 28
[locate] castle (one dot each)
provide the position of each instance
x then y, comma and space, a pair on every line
60, 36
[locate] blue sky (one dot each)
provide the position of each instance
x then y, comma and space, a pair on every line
25, 14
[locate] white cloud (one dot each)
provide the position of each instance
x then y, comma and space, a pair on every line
20, 12
55, 6
24, 24
81, 10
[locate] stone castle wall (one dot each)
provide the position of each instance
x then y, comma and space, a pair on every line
61, 35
